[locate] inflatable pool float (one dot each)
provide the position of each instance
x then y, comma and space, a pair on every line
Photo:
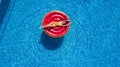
56, 24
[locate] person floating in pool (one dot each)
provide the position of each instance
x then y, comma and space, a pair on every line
54, 24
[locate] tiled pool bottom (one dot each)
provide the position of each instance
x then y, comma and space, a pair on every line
92, 41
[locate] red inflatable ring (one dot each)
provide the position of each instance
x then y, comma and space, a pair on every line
56, 24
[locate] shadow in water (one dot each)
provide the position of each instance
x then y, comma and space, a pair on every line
49, 42
3, 9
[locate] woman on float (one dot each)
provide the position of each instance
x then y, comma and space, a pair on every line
54, 24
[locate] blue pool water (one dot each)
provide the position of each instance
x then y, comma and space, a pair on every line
92, 41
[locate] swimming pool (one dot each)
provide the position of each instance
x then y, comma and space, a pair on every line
92, 41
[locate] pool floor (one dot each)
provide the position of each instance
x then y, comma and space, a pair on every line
92, 41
